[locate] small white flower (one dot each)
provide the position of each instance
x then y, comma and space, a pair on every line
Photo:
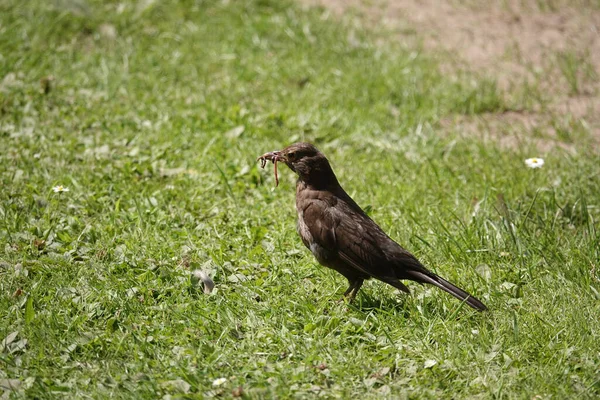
219, 381
557, 182
534, 162
60, 189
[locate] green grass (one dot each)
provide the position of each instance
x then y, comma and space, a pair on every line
143, 128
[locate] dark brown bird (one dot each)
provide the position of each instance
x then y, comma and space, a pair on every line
342, 237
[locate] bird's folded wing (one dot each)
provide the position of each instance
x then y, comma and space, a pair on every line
342, 231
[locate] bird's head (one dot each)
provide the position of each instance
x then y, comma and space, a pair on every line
304, 159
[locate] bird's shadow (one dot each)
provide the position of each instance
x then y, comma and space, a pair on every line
387, 304
402, 306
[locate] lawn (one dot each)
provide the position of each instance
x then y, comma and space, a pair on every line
152, 115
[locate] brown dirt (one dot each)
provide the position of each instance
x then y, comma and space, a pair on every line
515, 41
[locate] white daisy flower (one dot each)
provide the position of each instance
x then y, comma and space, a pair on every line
60, 189
534, 162
219, 381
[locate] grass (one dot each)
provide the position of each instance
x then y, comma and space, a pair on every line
153, 114
577, 70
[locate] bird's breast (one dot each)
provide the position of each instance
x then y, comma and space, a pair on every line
303, 230
322, 255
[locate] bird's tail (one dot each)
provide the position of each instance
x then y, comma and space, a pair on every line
446, 286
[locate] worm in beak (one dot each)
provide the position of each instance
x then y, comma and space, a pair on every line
274, 157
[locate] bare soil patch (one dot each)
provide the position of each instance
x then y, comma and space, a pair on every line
551, 46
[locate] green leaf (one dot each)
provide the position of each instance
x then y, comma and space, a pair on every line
111, 324
29, 311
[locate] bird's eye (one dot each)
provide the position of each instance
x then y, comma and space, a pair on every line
291, 156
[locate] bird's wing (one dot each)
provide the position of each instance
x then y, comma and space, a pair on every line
356, 238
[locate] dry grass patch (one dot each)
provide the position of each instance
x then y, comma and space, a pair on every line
546, 50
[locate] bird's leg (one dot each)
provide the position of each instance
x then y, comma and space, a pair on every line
355, 286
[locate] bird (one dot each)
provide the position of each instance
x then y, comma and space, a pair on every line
342, 236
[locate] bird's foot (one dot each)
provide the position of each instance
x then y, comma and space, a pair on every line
351, 292
345, 299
